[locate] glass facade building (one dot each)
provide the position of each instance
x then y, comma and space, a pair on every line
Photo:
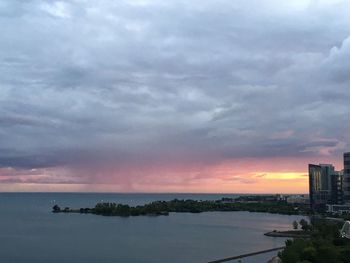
325, 186
337, 196
319, 194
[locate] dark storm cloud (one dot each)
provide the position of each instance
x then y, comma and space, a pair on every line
181, 81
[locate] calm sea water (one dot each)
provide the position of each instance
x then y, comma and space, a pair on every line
30, 233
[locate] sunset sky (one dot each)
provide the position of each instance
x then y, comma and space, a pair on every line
172, 96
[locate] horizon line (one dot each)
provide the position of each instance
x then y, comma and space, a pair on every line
96, 192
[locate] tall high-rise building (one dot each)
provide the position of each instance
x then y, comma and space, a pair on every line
318, 187
346, 184
314, 183
325, 186
337, 196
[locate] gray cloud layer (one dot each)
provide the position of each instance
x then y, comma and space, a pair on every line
173, 81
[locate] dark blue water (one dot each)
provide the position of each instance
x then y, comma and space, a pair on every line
30, 233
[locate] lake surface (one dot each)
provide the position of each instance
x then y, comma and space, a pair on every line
30, 233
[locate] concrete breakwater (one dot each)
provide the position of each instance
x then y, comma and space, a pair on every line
246, 255
290, 233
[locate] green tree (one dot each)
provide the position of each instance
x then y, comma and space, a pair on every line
345, 255
295, 225
293, 251
309, 253
304, 225
327, 254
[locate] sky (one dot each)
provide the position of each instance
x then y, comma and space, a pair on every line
172, 96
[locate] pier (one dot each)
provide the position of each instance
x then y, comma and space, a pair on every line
246, 255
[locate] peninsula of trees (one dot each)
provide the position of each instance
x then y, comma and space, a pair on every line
259, 204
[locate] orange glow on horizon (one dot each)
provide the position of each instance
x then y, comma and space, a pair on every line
282, 175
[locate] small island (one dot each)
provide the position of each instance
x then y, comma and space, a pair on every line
244, 203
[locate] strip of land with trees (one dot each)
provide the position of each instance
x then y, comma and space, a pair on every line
256, 204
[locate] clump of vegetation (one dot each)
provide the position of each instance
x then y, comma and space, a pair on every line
324, 246
305, 225
56, 209
295, 225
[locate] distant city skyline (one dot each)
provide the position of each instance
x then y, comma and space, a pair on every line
172, 96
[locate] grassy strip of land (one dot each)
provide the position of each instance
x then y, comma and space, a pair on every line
187, 206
